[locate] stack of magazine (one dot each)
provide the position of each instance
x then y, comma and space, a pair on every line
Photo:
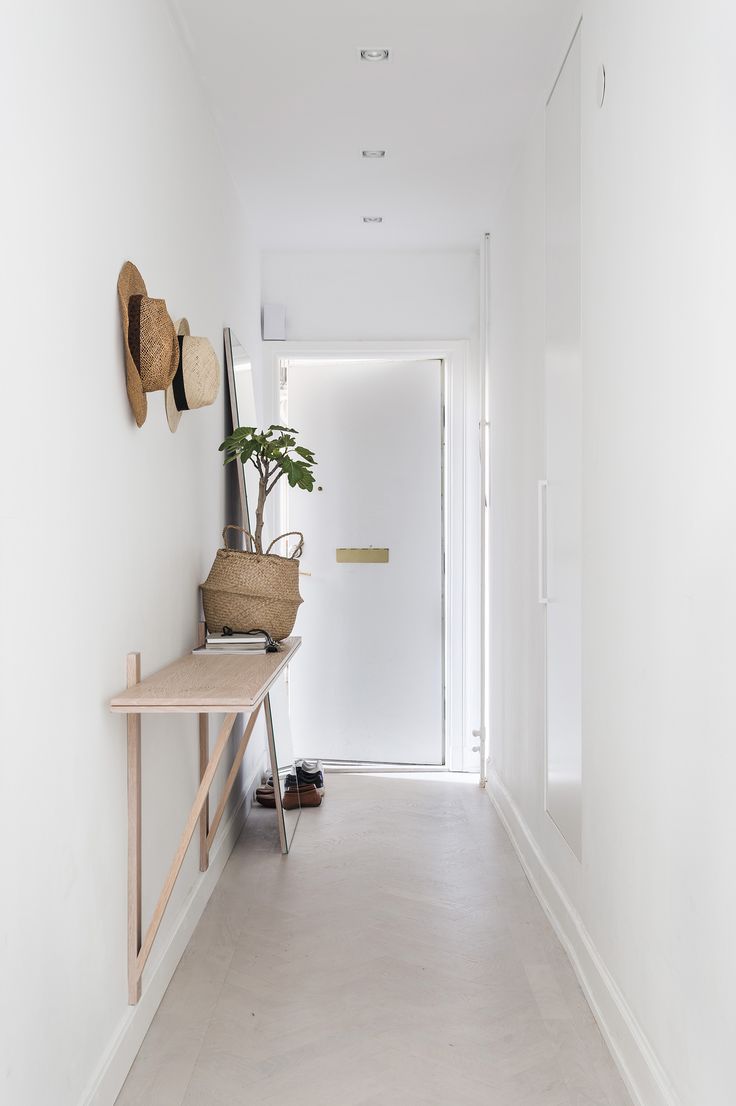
229, 641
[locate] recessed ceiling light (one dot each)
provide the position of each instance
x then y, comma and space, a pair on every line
373, 218
374, 153
374, 55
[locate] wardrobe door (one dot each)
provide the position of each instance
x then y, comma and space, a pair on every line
561, 494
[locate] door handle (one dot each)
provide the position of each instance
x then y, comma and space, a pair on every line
542, 542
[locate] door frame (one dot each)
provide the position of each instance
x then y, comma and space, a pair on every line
459, 515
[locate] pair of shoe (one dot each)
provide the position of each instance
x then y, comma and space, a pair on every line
305, 794
306, 772
298, 795
310, 771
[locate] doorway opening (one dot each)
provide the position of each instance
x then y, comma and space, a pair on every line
382, 680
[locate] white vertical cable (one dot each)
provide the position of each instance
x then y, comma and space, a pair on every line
485, 324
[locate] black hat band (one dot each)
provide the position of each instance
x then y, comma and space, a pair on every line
177, 384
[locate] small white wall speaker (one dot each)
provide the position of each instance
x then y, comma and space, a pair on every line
273, 322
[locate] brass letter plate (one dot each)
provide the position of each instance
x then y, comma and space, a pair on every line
361, 556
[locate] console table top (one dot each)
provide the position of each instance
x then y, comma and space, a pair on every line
205, 684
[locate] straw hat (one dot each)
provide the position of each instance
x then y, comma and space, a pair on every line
151, 348
197, 379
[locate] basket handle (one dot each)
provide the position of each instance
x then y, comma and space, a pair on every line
240, 529
299, 548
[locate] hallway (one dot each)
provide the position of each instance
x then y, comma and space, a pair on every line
398, 957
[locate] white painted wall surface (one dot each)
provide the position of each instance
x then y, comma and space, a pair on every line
374, 294
383, 295
107, 530
650, 915
560, 493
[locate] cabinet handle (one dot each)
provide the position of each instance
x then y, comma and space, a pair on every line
542, 541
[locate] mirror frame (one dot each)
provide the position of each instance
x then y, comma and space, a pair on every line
287, 820
230, 369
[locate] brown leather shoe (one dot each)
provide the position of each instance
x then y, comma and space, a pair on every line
305, 795
265, 796
308, 795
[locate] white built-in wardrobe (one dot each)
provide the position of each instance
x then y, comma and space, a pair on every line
560, 492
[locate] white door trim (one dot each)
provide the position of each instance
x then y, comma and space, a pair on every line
461, 715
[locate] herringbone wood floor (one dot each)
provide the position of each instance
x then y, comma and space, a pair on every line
397, 958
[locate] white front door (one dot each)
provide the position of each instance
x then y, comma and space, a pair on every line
369, 682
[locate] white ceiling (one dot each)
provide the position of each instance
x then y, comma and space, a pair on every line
296, 105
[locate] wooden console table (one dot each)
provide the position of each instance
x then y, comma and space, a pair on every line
203, 685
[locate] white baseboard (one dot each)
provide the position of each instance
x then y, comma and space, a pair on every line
644, 1076
123, 1048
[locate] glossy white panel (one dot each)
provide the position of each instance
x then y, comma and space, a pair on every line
562, 516
371, 685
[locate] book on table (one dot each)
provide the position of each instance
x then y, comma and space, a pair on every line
254, 637
257, 641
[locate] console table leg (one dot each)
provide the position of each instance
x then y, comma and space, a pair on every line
204, 818
204, 756
134, 836
232, 776
186, 837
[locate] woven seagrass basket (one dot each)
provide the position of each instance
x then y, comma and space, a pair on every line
253, 591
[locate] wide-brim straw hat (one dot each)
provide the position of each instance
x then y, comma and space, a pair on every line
151, 347
197, 378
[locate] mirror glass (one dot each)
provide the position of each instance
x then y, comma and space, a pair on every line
243, 412
279, 732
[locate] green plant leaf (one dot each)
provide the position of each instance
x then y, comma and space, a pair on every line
269, 451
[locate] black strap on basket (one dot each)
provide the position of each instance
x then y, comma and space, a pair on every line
271, 645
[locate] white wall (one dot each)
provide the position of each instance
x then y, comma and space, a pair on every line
374, 294
393, 295
653, 902
107, 530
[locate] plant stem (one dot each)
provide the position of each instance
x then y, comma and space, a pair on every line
262, 493
274, 482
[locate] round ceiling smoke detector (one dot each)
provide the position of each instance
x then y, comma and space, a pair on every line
374, 55
373, 218
374, 153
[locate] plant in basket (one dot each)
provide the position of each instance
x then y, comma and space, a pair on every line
259, 590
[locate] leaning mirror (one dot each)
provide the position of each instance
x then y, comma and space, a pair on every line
243, 412
282, 755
